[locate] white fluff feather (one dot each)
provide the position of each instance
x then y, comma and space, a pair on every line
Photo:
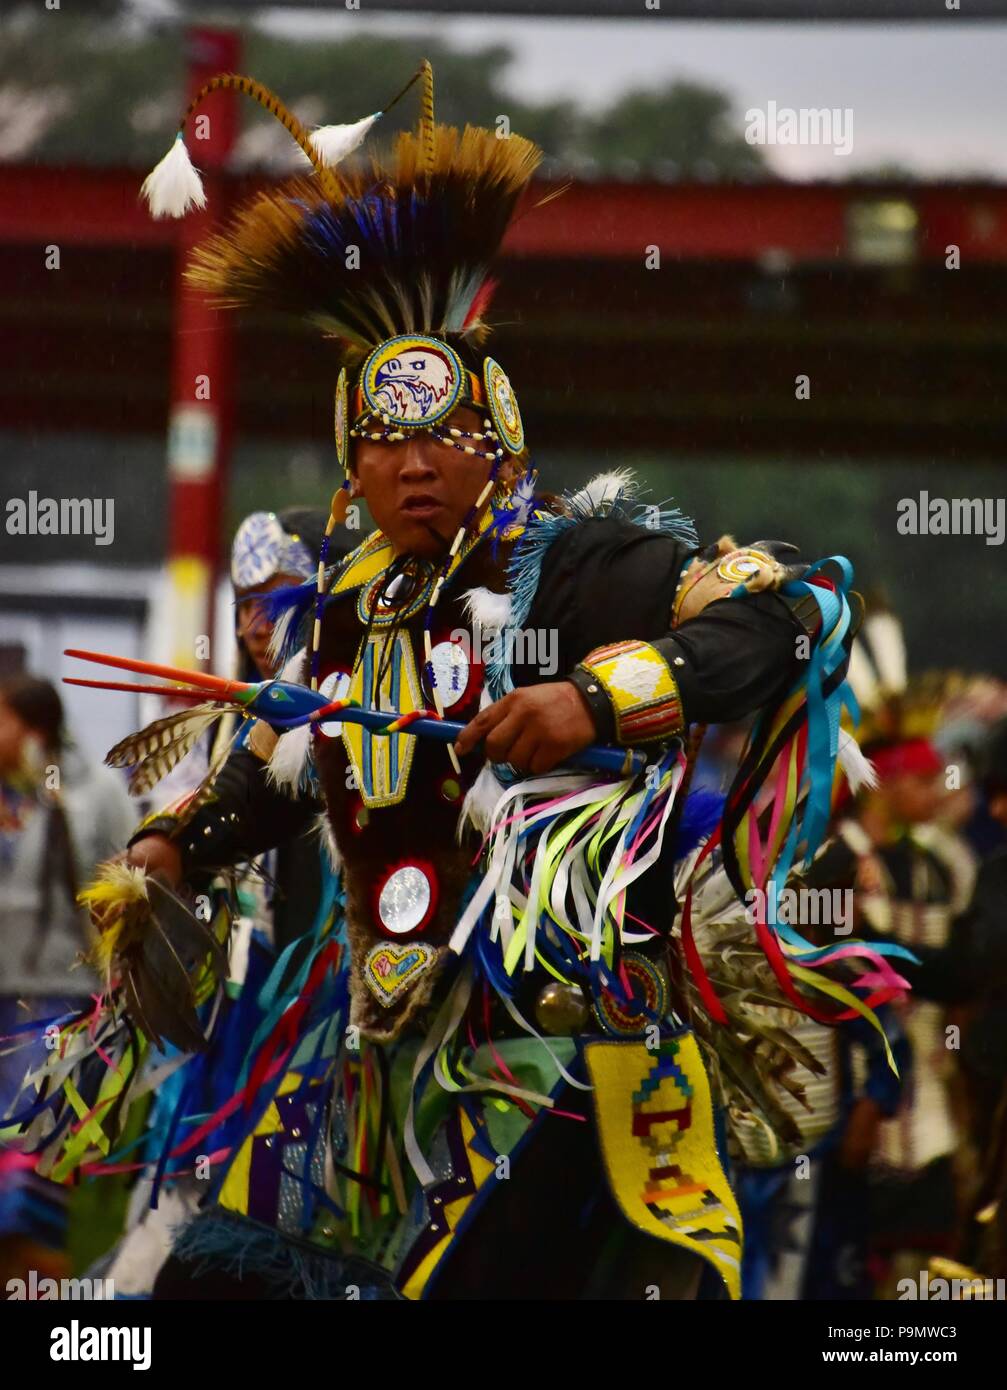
288, 763
278, 636
173, 186
289, 759
859, 771
293, 671
491, 611
605, 488
481, 798
332, 143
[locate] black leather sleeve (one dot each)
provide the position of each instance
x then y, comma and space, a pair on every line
608, 580
738, 655
246, 817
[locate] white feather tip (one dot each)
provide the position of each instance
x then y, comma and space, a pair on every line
288, 765
332, 143
604, 489
278, 637
174, 185
480, 802
858, 770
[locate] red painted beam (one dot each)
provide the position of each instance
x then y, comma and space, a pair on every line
75, 206
201, 422
622, 220
606, 219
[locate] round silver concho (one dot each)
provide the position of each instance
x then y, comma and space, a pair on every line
451, 671
404, 900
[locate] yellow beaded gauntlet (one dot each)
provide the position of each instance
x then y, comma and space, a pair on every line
641, 690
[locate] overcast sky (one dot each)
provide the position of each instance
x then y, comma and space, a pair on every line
933, 96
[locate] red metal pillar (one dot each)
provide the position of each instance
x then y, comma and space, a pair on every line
199, 432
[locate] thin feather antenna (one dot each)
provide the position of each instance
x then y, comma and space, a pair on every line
332, 143
427, 115
173, 186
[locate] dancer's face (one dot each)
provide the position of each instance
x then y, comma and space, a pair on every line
253, 627
420, 489
913, 797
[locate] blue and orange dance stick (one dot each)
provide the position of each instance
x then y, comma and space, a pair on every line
284, 705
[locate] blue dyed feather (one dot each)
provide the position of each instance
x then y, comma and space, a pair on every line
290, 604
701, 815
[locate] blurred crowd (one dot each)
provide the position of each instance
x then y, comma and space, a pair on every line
904, 1166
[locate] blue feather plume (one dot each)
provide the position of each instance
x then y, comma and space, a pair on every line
701, 815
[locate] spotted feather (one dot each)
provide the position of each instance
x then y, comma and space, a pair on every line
162, 745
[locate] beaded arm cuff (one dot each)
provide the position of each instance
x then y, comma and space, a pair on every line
643, 694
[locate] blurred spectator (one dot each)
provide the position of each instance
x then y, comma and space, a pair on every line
270, 550
59, 816
912, 876
971, 973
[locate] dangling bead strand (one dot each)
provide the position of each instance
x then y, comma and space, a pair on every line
337, 514
470, 519
386, 435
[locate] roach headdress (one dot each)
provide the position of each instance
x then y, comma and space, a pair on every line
390, 259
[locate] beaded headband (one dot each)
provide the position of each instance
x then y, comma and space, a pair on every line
413, 382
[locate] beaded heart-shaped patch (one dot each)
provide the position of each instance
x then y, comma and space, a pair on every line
390, 969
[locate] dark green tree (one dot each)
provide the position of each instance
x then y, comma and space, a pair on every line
686, 124
108, 89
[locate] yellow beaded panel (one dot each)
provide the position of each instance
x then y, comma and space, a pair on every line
655, 1123
643, 692
381, 762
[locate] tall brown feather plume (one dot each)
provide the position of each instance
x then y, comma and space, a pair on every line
427, 233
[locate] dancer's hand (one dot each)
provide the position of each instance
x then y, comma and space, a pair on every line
158, 855
534, 729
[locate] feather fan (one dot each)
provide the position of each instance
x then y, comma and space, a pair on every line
155, 948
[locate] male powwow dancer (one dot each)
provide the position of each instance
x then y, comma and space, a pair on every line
484, 1079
